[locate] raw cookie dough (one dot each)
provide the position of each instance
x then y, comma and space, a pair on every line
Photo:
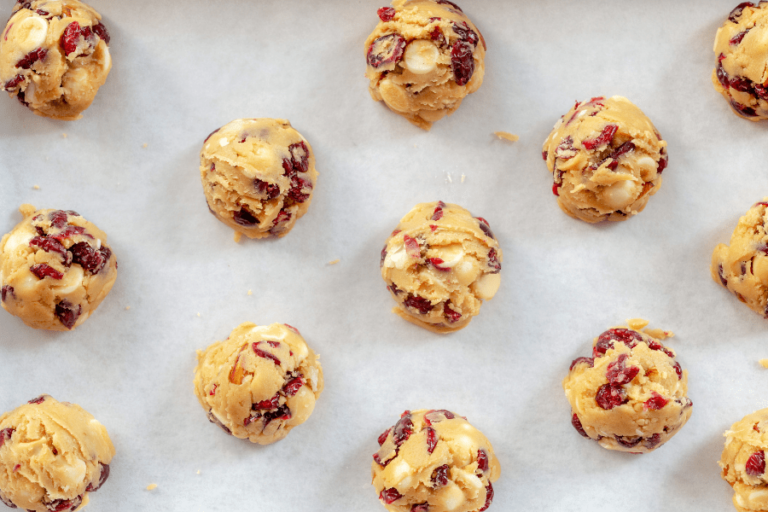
630, 395
423, 58
743, 462
741, 60
55, 269
52, 454
258, 176
434, 461
259, 383
606, 158
54, 57
743, 267
440, 264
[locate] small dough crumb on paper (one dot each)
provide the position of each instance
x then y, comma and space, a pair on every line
198, 471
250, 292
238, 236
145, 145
507, 136
151, 487
764, 363
463, 177
198, 314
64, 135
638, 324
127, 308
334, 262
36, 187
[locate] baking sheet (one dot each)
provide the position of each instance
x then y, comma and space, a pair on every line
181, 69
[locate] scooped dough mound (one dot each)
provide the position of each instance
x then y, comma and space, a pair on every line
424, 58
52, 454
434, 461
439, 264
743, 462
54, 57
631, 395
606, 159
259, 383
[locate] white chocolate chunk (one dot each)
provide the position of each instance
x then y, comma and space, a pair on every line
31, 34
646, 163
453, 497
486, 287
396, 257
451, 255
73, 279
421, 57
18, 238
400, 470
620, 194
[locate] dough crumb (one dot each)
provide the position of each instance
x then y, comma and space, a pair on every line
448, 177
198, 471
64, 135
151, 487
638, 324
198, 314
507, 136
145, 145
764, 363
238, 236
127, 308
463, 177
250, 292
36, 187
334, 262
27, 209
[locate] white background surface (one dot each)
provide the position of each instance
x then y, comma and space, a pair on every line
182, 69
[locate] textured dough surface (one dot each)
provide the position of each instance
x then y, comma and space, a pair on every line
742, 267
54, 57
439, 264
258, 176
55, 269
606, 159
743, 462
434, 461
631, 395
413, 59
52, 454
741, 61
259, 383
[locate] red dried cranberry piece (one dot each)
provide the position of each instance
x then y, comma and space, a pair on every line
436, 262
440, 476
738, 38
403, 429
655, 345
721, 274
282, 413
68, 313
265, 355
386, 13
58, 218
462, 62
102, 478
100, 30
579, 360
421, 507
394, 289
465, 33
565, 150
741, 84
678, 370
663, 162
270, 190
51, 245
608, 396
299, 156
69, 232
31, 58
13, 82
271, 403
652, 442
605, 137
761, 91
736, 12
628, 442
756, 464
482, 461
656, 401
419, 303
545, 155
412, 247
618, 374
722, 76
618, 153
493, 261
433, 416
213, 419
90, 259
386, 50
212, 392
437, 34
42, 271
488, 497
281, 218
605, 340
383, 436
576, 422
438, 211
485, 227
383, 256
452, 315
297, 185
244, 217
65, 505
5, 435
447, 2
431, 439
69, 38
7, 290
38, 400
390, 495
743, 109
294, 385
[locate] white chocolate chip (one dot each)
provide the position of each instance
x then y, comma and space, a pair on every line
30, 34
73, 279
400, 471
223, 141
421, 57
397, 257
647, 163
620, 194
758, 496
18, 238
453, 497
451, 255
487, 286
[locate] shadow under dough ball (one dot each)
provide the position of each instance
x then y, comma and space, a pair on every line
424, 57
55, 269
52, 454
606, 160
258, 176
741, 60
54, 57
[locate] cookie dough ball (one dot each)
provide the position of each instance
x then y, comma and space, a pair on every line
52, 454
743, 267
743, 462
630, 395
55, 269
423, 58
54, 57
606, 158
434, 461
439, 265
259, 383
741, 58
258, 176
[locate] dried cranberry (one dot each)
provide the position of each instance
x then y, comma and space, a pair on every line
32, 57
421, 507
270, 190
100, 30
437, 34
579, 360
403, 429
741, 84
386, 13
608, 396
299, 156
90, 259
431, 439
488, 497
493, 261
721, 274
42, 271
756, 464
102, 478
485, 227
736, 12
482, 461
433, 416
605, 137
738, 38
69, 232
13, 82
462, 62
390, 495
447, 2
282, 413
565, 150
419, 303
281, 218
383, 256
265, 355
68, 313
656, 401
38, 400
293, 386
386, 50
465, 33
743, 109
69, 38
655, 345
438, 211
761, 91
245, 218
663, 162
576, 422
394, 289
213, 419
58, 218
270, 403
652, 442
452, 315
436, 262
628, 442
7, 290
51, 245
383, 436
605, 340
618, 374
297, 185
65, 505
5, 435
440, 476
618, 153
545, 155
722, 76
212, 392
